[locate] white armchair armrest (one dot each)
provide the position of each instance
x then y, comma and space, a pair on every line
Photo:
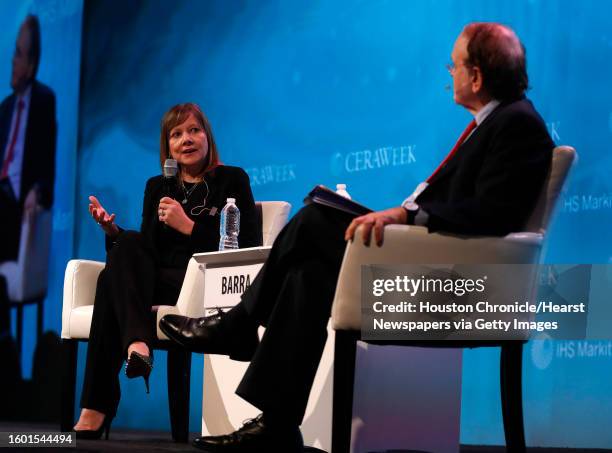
80, 281
405, 244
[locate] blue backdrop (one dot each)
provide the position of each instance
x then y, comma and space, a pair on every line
353, 92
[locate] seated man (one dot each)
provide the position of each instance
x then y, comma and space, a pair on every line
27, 141
488, 185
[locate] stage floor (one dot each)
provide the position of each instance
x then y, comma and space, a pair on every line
135, 441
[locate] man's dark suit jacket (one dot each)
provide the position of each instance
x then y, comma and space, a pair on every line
38, 167
492, 183
40, 142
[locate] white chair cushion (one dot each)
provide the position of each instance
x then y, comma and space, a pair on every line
80, 322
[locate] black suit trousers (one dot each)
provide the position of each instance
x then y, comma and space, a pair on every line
10, 226
122, 315
292, 297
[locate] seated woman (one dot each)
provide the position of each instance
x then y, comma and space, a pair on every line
171, 231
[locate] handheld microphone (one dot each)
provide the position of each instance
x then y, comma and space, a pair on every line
170, 171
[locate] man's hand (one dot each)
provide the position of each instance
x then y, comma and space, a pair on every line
172, 214
99, 214
376, 221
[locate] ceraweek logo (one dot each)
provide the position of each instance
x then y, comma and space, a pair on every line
269, 174
372, 159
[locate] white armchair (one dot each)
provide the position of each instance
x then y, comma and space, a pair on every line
414, 245
79, 292
26, 278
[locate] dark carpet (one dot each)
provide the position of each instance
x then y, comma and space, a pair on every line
160, 441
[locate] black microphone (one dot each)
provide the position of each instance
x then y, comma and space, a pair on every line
170, 171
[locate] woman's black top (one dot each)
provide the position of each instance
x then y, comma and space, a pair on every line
204, 204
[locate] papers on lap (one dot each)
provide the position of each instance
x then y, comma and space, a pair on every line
327, 197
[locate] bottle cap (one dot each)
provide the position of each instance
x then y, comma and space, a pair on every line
231, 200
340, 186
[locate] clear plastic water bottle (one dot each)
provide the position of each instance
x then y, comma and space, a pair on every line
341, 190
230, 225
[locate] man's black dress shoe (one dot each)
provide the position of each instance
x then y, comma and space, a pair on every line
211, 335
254, 437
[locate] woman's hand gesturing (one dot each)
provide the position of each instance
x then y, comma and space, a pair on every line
172, 214
99, 214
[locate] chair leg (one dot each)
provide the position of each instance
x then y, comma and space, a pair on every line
511, 372
344, 380
179, 376
69, 363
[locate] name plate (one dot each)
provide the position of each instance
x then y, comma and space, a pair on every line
223, 286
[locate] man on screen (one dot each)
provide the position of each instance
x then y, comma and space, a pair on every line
27, 141
487, 185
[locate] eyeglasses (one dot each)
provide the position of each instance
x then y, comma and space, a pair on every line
452, 67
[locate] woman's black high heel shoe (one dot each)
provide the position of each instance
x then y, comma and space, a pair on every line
139, 365
95, 434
